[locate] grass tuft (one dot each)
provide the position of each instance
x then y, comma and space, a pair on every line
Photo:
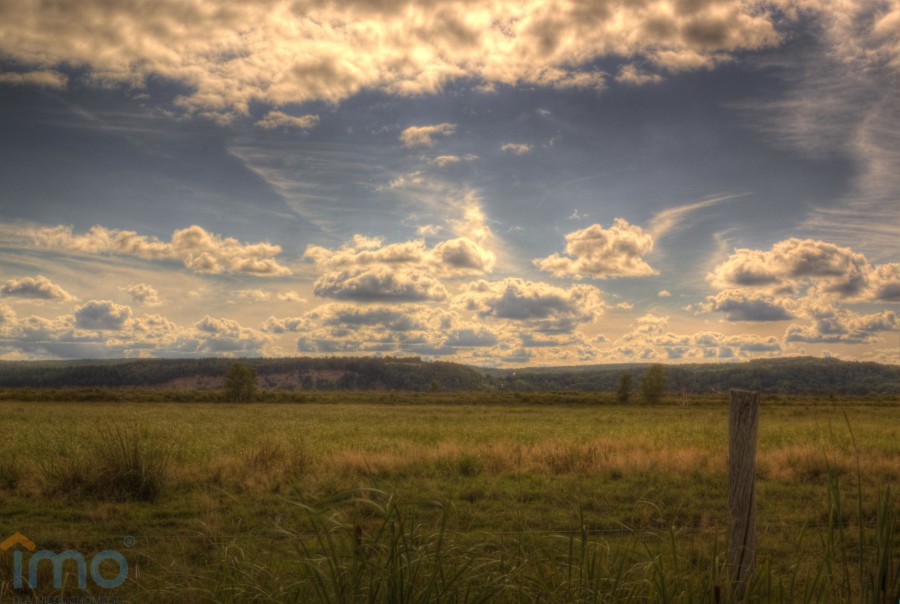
10, 473
121, 464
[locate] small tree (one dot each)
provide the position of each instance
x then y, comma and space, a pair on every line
624, 392
240, 383
654, 384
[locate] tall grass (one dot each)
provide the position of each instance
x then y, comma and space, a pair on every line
120, 464
370, 546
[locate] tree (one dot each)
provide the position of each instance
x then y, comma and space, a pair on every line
624, 392
654, 384
240, 383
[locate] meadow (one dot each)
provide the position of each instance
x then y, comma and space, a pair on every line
388, 497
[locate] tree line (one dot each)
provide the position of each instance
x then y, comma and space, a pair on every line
800, 375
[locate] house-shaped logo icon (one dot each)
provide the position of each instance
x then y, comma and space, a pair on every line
18, 539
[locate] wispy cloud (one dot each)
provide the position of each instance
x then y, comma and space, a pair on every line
670, 218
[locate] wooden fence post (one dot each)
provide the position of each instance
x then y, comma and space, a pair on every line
743, 421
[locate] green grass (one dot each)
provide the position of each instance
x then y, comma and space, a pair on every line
392, 497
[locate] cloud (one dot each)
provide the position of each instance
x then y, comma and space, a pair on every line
602, 253
392, 318
669, 218
103, 329
141, 293
423, 136
649, 338
379, 283
45, 79
290, 296
199, 250
749, 306
834, 325
543, 307
211, 335
405, 329
462, 255
288, 325
664, 294
792, 263
429, 230
101, 315
251, 295
457, 256
630, 74
226, 57
277, 119
884, 283
7, 319
447, 160
35, 288
516, 148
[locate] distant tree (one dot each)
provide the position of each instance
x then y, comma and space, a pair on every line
240, 383
654, 384
624, 391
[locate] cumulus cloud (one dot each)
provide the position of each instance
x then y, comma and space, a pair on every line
602, 253
834, 325
457, 256
45, 79
379, 283
884, 283
287, 325
7, 318
103, 329
211, 335
277, 119
198, 249
101, 315
35, 288
392, 318
404, 329
749, 306
796, 263
544, 307
227, 56
649, 338
141, 293
423, 136
516, 148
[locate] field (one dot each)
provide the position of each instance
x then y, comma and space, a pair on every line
440, 497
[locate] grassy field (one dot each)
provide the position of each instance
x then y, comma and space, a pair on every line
395, 498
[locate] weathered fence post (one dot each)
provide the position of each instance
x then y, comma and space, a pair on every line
743, 421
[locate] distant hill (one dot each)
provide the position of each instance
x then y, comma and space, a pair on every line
791, 375
787, 375
338, 373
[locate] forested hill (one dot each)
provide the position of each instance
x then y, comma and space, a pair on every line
793, 375
787, 376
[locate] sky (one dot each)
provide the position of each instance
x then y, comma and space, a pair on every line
499, 183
